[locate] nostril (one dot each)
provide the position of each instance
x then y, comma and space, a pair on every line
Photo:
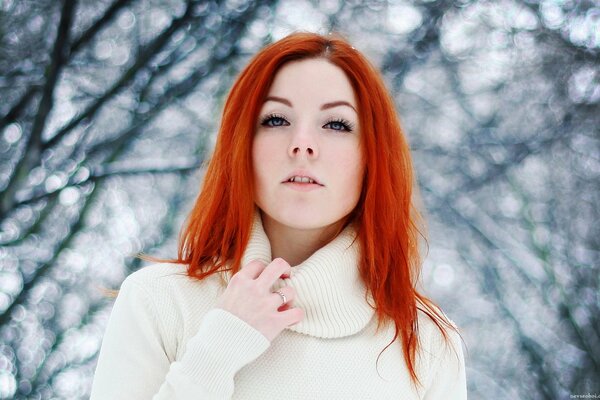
298, 150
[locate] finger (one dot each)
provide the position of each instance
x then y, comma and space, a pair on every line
273, 271
286, 306
277, 299
292, 316
253, 269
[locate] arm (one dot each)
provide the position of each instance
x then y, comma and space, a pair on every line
133, 363
449, 377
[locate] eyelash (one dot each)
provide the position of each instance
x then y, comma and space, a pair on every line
269, 117
347, 125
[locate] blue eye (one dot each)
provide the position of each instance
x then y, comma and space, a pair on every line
340, 125
274, 120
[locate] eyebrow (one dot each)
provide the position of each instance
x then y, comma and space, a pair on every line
323, 107
336, 104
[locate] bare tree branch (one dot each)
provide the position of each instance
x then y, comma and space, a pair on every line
100, 23
33, 147
119, 145
545, 33
141, 61
168, 228
113, 169
15, 112
492, 284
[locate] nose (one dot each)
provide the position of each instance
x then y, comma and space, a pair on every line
303, 144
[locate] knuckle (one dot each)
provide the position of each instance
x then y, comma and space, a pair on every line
238, 280
257, 262
281, 263
279, 260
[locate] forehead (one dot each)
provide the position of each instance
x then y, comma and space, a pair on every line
316, 79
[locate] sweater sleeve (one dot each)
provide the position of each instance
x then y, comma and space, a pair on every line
449, 377
133, 363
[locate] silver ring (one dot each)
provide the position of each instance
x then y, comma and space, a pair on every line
283, 298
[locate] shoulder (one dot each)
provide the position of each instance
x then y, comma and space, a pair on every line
441, 345
169, 282
158, 271
444, 373
436, 333
429, 322
150, 289
157, 275
173, 300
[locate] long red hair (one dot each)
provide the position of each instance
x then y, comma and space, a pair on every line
218, 228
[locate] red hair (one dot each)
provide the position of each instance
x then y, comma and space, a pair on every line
218, 227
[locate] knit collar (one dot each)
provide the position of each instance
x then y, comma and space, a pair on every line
328, 285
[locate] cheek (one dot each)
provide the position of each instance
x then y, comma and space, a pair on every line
351, 171
262, 158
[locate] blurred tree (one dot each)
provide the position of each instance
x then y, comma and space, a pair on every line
109, 108
507, 147
82, 83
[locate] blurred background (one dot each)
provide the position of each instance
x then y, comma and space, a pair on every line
109, 107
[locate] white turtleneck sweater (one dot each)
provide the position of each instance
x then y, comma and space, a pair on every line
166, 340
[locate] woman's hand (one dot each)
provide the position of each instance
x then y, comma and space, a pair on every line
248, 296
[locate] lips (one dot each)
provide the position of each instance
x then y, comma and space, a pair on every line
299, 174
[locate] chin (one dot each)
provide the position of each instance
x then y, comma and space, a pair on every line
303, 220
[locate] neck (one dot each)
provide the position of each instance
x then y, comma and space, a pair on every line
295, 245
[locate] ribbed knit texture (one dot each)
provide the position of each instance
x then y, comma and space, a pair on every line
328, 287
166, 340
218, 331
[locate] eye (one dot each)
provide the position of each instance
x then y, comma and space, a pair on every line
274, 120
340, 125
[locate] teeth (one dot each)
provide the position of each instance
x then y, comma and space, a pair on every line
301, 179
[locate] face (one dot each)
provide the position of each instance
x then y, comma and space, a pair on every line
308, 128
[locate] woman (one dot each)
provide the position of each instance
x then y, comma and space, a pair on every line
296, 271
